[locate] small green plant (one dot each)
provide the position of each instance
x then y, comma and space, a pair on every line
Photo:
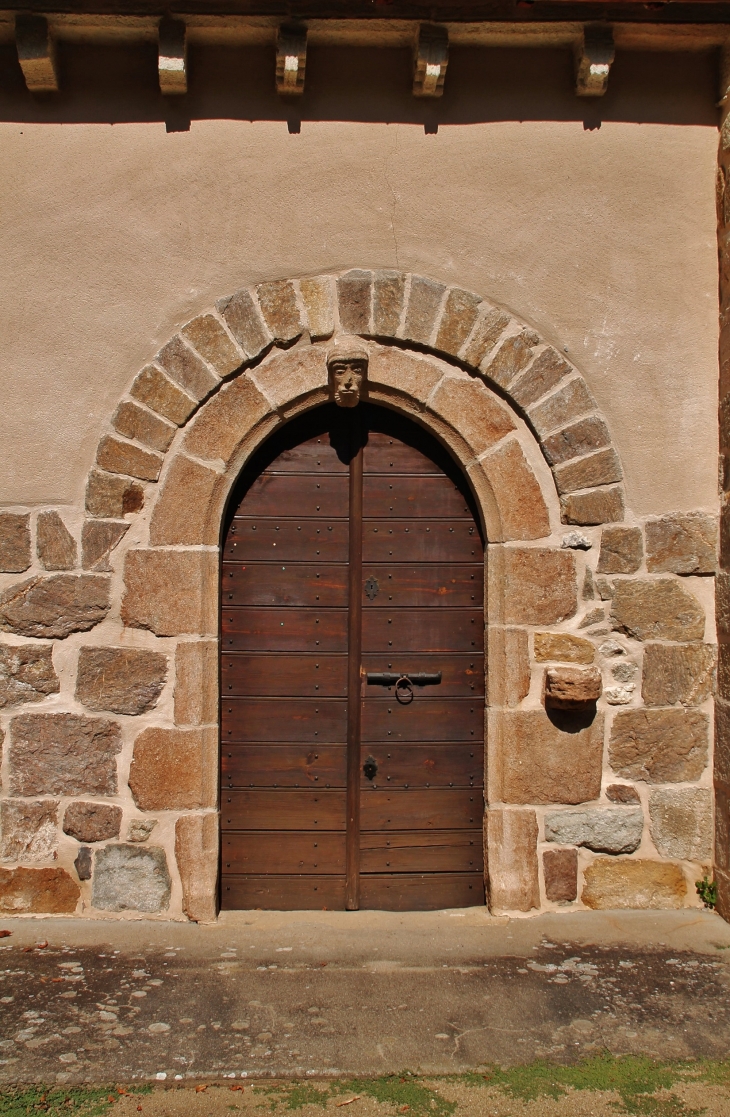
707, 891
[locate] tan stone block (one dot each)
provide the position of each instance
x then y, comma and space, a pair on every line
598, 506
424, 302
522, 510
175, 769
124, 457
55, 544
28, 829
512, 860
683, 543
123, 680
289, 377
722, 831
538, 584
681, 822
98, 540
723, 671
722, 604
92, 822
568, 687
159, 393
135, 422
172, 593
487, 332
37, 892
110, 496
659, 746
601, 468
183, 514
388, 293
26, 674
563, 646
511, 358
622, 793
354, 293
245, 322
660, 609
560, 869
408, 374
196, 682
677, 673
319, 306
473, 411
208, 337
196, 853
508, 656
565, 405
14, 542
576, 440
722, 742
460, 314
555, 758
63, 754
622, 550
225, 421
53, 608
544, 374
623, 883
186, 368
278, 302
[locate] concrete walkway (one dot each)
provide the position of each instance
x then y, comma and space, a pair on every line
323, 993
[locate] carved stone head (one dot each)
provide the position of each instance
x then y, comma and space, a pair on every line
348, 369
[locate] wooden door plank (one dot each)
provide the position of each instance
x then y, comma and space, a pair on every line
421, 810
309, 496
423, 630
419, 585
297, 851
309, 675
419, 851
283, 893
284, 630
260, 766
422, 891
283, 810
424, 765
421, 541
462, 676
285, 583
424, 719
256, 720
387, 454
405, 498
316, 455
256, 539
354, 654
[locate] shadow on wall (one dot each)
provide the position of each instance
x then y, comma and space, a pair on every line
118, 84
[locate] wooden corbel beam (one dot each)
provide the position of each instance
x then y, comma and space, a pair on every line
36, 53
430, 61
291, 60
172, 63
594, 55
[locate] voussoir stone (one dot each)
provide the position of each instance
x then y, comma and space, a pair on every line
14, 542
564, 405
110, 496
278, 302
622, 550
512, 849
171, 592
37, 892
92, 822
319, 306
55, 544
523, 513
117, 456
490, 326
512, 356
656, 609
682, 543
659, 746
155, 389
538, 583
560, 869
55, 607
563, 646
196, 853
424, 301
354, 291
544, 374
610, 830
596, 506
206, 334
63, 754
576, 440
185, 367
182, 512
567, 687
681, 822
26, 674
457, 320
133, 421
122, 680
388, 293
548, 759
28, 829
625, 883
224, 421
473, 411
174, 769
601, 468
677, 673
245, 322
131, 878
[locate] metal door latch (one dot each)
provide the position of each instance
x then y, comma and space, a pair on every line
403, 684
370, 768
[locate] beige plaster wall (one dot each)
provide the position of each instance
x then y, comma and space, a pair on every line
602, 238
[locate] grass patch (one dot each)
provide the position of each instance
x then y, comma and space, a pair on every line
406, 1092
86, 1101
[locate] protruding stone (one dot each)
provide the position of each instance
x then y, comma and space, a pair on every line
291, 60
568, 687
625, 883
28, 830
55, 544
681, 822
683, 543
624, 671
622, 793
601, 468
539, 584
37, 892
171, 592
622, 550
620, 695
63, 754
140, 829
568, 403
512, 852
512, 356
588, 592
26, 674
563, 646
677, 673
14, 542
354, 290
36, 53
319, 306
196, 853
576, 440
53, 608
244, 320
278, 302
594, 57
659, 746
123, 680
153, 388
135, 422
172, 57
98, 539
576, 541
92, 822
610, 830
547, 759
129, 878
196, 682
544, 374
457, 320
109, 496
83, 863
186, 368
560, 869
116, 456
174, 769
660, 609
597, 506
424, 302
431, 58
489, 328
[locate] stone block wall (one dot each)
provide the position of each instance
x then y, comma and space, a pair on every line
599, 626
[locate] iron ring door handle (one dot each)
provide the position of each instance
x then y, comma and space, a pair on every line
391, 678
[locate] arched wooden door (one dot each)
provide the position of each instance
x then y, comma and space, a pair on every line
352, 672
